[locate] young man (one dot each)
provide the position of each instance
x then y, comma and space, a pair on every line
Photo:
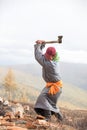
47, 100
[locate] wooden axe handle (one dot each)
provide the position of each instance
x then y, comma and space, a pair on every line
48, 42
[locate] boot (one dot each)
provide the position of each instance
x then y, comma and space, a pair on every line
47, 115
59, 116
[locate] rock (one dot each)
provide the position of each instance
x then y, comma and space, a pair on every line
40, 117
67, 127
26, 109
41, 122
6, 123
18, 110
6, 103
31, 125
15, 128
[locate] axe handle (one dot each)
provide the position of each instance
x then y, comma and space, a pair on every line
49, 42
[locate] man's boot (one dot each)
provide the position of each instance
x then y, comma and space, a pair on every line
47, 115
59, 116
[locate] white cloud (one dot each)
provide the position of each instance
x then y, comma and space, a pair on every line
3, 51
15, 56
73, 56
10, 59
26, 56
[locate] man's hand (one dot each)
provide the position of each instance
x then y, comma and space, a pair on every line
40, 41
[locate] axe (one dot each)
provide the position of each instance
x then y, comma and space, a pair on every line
57, 41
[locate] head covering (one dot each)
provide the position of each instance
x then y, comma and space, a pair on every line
51, 51
56, 57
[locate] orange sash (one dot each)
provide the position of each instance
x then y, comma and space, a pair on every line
54, 87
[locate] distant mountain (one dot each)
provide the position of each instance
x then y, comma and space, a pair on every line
72, 73
31, 84
75, 74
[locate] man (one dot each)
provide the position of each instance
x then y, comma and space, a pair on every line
47, 100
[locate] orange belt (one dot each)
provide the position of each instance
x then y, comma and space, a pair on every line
54, 87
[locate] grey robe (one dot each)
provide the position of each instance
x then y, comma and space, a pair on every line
50, 73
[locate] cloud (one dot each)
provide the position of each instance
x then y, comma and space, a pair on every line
23, 22
73, 56
26, 56
15, 56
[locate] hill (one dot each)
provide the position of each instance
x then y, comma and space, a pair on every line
72, 119
29, 86
72, 73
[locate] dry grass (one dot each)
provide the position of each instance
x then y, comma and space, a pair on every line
73, 120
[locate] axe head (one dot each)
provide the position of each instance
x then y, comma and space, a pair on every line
60, 39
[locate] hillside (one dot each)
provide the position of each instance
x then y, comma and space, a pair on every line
75, 74
72, 119
29, 87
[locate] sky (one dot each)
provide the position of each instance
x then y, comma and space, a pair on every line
22, 22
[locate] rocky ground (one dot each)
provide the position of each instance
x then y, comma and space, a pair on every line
73, 120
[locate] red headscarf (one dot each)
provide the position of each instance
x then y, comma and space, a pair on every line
51, 51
